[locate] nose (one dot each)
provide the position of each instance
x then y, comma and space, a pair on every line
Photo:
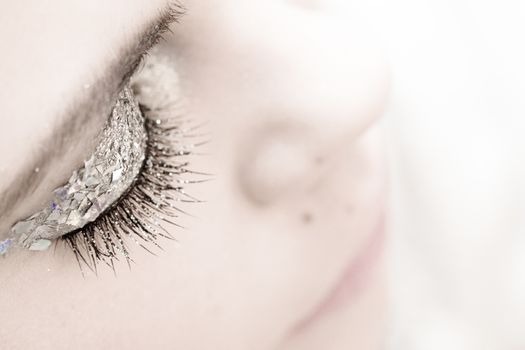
296, 84
324, 86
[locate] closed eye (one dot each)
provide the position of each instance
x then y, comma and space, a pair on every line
88, 110
130, 188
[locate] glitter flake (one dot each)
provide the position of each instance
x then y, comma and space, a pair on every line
105, 177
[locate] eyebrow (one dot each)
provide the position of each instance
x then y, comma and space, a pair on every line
91, 103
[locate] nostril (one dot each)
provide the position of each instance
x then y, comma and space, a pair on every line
278, 161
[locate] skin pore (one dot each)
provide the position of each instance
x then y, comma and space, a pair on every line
293, 105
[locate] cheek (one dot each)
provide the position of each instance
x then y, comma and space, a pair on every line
299, 178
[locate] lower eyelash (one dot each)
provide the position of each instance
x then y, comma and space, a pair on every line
140, 215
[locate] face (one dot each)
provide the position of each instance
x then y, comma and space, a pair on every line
284, 249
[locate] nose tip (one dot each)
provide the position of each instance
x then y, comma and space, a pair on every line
324, 91
281, 160
290, 162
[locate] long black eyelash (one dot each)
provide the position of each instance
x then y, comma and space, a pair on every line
153, 200
150, 203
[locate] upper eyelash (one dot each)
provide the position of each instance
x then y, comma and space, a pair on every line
139, 214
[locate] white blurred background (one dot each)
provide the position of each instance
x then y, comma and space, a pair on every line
456, 122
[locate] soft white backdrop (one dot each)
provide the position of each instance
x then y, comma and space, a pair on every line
456, 125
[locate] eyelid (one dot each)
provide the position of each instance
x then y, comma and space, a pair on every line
105, 177
86, 109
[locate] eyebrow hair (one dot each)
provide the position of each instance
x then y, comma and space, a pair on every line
90, 104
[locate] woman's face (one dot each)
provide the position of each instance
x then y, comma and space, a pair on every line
284, 250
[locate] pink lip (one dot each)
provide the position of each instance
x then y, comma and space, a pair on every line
353, 279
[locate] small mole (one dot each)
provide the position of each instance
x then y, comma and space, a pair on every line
319, 160
307, 217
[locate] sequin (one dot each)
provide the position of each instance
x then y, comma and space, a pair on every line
40, 245
4, 246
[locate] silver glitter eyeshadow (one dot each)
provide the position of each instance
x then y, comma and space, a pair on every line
91, 190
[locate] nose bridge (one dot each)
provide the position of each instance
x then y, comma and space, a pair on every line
308, 66
323, 75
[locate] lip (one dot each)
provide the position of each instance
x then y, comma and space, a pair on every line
353, 279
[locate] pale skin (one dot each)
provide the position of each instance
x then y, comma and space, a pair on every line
294, 99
